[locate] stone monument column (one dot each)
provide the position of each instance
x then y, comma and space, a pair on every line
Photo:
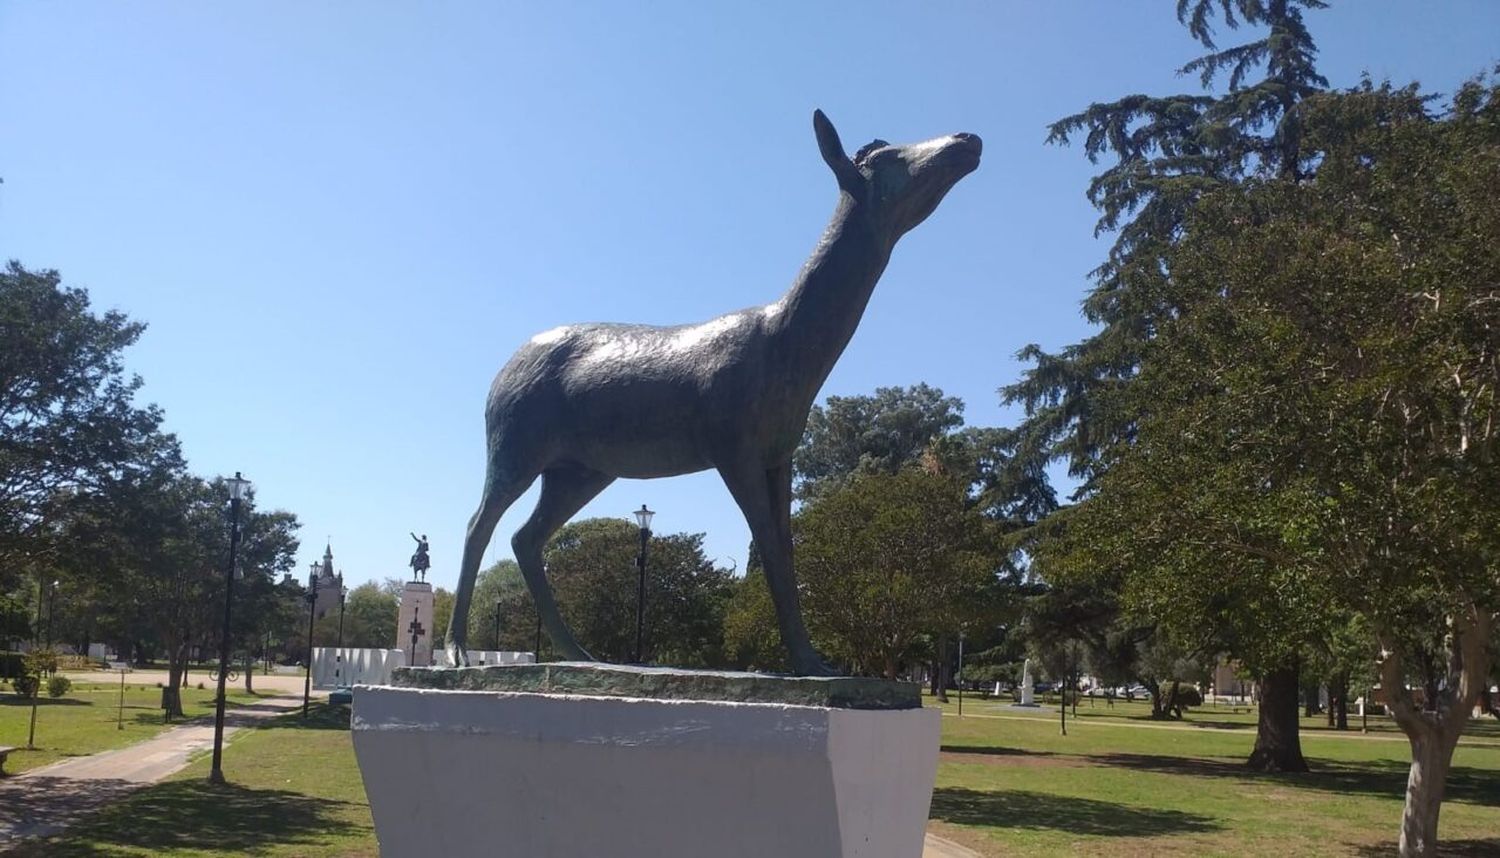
414, 623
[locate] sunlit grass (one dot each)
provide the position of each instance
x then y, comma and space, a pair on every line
87, 720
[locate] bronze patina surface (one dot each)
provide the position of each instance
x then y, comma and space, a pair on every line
583, 405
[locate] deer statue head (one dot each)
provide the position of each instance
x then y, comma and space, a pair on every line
897, 186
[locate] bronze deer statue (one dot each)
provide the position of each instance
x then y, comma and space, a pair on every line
583, 405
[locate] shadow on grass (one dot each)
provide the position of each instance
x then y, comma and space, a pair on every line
1485, 848
1018, 809
193, 815
43, 702
1386, 778
994, 751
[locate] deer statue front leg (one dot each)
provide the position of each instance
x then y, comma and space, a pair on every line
764, 496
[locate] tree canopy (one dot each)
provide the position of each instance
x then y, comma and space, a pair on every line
1315, 437
890, 557
69, 423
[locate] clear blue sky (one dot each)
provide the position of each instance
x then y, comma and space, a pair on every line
340, 219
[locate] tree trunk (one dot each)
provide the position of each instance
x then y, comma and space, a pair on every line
1158, 705
249, 670
1338, 704
176, 673
942, 670
1278, 745
1434, 734
1431, 757
1311, 705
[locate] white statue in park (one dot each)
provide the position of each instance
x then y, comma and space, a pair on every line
1026, 684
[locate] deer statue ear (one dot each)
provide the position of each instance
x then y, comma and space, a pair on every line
833, 153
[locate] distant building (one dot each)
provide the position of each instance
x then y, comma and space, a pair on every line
1227, 683
328, 585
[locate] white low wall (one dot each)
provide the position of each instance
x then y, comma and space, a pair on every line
485, 656
359, 666
374, 666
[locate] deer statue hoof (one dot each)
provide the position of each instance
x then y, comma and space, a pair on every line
458, 656
812, 664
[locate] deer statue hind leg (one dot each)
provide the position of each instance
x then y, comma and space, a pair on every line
500, 491
765, 497
565, 490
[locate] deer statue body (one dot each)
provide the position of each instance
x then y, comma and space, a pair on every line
583, 405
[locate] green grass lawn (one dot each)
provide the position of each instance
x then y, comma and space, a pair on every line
294, 791
1007, 784
1120, 784
86, 719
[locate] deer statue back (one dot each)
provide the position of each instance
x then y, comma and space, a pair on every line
583, 405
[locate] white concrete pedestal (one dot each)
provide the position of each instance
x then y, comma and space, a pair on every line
470, 773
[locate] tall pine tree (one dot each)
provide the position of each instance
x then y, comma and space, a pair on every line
1165, 153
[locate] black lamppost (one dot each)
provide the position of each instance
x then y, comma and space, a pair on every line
312, 609
338, 670
642, 518
239, 487
51, 610
960, 674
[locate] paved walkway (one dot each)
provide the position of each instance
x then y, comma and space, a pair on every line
937, 847
45, 800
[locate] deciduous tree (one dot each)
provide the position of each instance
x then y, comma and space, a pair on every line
889, 557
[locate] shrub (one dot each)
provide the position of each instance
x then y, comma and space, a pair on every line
1186, 697
58, 685
26, 684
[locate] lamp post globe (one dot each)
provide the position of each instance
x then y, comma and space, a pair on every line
239, 491
643, 518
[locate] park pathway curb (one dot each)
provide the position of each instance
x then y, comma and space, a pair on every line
43, 801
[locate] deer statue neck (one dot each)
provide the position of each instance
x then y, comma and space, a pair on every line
816, 318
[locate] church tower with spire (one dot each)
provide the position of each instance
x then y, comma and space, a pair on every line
328, 585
